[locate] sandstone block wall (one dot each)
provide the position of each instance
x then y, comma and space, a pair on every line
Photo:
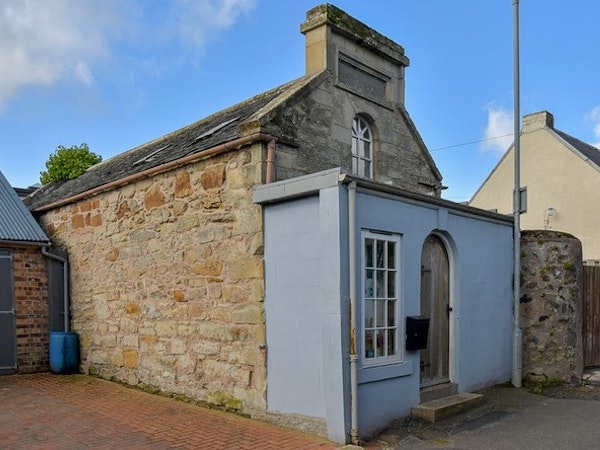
167, 281
31, 310
551, 286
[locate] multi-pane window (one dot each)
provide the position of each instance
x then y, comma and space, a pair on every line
380, 298
362, 148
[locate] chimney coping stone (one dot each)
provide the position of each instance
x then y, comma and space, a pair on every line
344, 24
537, 121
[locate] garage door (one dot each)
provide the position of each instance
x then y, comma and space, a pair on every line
8, 345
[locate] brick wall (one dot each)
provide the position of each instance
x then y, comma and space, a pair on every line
31, 310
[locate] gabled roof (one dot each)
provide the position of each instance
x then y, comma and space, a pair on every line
220, 128
16, 222
588, 151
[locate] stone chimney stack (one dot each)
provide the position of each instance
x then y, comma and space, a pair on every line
537, 121
360, 58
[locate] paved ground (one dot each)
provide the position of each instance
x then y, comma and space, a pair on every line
564, 417
48, 411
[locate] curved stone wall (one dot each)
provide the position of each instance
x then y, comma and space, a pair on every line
551, 286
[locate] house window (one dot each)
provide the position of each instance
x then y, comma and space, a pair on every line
381, 302
362, 148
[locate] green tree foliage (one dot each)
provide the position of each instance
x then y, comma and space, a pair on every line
67, 163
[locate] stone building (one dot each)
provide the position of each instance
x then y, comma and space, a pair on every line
167, 247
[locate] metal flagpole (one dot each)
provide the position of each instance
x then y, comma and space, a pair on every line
517, 336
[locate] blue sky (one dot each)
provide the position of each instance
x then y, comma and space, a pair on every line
118, 73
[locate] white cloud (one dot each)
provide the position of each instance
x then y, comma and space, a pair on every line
52, 41
498, 132
194, 22
594, 118
44, 42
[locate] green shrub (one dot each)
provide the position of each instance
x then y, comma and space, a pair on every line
67, 163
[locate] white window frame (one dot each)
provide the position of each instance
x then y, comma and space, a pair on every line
362, 148
371, 295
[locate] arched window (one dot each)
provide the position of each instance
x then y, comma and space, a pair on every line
362, 148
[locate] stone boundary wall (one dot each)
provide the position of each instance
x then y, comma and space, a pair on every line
551, 296
31, 310
167, 281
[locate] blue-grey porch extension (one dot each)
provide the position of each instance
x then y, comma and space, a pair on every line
307, 302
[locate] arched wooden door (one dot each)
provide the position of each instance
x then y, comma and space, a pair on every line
435, 304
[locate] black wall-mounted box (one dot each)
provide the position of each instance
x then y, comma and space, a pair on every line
417, 329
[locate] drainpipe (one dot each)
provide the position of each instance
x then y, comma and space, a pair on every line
352, 274
271, 161
65, 284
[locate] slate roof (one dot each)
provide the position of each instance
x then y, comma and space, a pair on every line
219, 128
24, 192
16, 222
587, 150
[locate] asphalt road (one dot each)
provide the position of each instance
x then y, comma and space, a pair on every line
563, 417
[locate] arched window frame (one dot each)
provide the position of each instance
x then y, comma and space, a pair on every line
362, 147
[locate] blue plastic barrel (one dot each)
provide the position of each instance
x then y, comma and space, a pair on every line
64, 352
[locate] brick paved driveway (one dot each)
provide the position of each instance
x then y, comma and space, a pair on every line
48, 411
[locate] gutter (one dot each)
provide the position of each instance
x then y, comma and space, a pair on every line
66, 305
218, 149
23, 243
307, 185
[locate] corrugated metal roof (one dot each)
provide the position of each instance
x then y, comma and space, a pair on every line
16, 222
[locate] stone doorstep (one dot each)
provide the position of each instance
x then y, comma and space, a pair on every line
438, 391
442, 408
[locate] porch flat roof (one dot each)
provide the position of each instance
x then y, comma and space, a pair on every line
311, 184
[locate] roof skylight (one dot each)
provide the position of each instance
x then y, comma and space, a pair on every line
150, 157
216, 128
